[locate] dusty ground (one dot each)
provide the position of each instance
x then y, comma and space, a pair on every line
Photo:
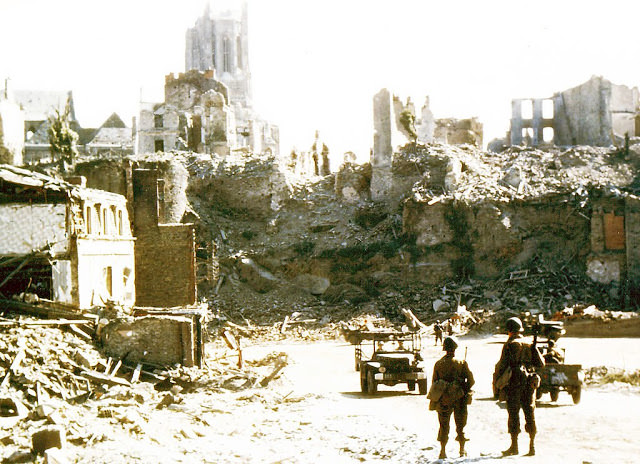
314, 414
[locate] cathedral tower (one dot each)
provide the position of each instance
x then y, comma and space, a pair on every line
220, 42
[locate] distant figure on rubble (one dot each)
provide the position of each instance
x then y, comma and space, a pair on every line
553, 355
451, 393
517, 383
437, 329
450, 327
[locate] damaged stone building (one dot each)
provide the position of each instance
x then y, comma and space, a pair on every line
597, 113
73, 248
24, 128
208, 109
64, 242
396, 124
165, 247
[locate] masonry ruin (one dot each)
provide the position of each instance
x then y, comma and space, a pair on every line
597, 113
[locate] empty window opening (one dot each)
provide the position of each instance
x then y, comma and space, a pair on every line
158, 121
105, 221
547, 134
88, 219
120, 224
527, 109
226, 55
158, 145
239, 51
109, 280
98, 227
547, 109
527, 136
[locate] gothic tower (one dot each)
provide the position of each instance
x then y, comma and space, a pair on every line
220, 43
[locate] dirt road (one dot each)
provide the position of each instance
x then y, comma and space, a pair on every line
315, 414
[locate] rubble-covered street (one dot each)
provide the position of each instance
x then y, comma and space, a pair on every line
312, 411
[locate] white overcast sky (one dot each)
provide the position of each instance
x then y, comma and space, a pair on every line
316, 64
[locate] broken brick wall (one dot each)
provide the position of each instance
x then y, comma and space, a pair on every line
632, 223
607, 263
165, 266
488, 239
164, 341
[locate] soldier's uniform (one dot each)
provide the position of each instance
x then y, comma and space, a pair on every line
454, 380
520, 391
437, 328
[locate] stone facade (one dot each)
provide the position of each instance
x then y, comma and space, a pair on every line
395, 124
218, 47
589, 114
75, 244
221, 43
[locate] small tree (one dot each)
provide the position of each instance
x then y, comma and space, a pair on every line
407, 121
62, 138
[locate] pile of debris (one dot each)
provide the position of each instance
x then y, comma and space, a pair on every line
520, 172
54, 383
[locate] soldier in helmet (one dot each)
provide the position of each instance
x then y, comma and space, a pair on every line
518, 381
451, 385
437, 328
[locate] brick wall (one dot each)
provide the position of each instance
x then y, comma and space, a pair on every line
165, 340
165, 266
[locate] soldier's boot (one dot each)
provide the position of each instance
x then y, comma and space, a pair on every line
443, 452
463, 453
532, 448
462, 440
513, 449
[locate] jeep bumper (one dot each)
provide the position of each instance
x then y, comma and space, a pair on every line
400, 376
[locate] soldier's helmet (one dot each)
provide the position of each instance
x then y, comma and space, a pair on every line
449, 344
514, 325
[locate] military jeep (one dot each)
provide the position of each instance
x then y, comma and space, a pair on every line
390, 358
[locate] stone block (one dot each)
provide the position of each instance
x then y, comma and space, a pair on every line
55, 456
51, 437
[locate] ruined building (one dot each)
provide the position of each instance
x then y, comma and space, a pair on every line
64, 242
396, 124
25, 121
165, 247
208, 109
593, 113
11, 129
309, 164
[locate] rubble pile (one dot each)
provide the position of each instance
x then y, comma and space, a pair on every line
57, 381
600, 375
521, 172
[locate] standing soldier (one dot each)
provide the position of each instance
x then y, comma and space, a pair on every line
450, 389
517, 382
437, 328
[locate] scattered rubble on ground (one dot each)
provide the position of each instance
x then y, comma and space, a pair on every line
56, 381
600, 375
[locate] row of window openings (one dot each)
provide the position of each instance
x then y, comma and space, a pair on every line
102, 225
526, 109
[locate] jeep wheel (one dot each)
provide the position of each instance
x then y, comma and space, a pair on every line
422, 386
539, 394
411, 385
372, 386
363, 382
575, 395
554, 394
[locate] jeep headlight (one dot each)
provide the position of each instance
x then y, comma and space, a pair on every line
382, 369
